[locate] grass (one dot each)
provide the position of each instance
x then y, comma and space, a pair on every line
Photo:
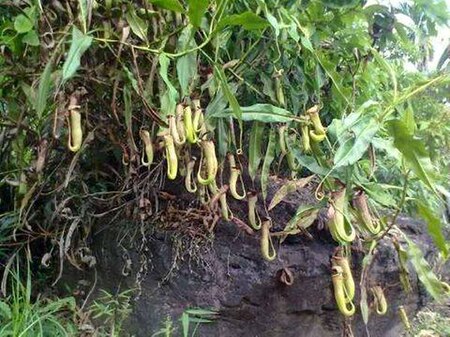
431, 322
21, 315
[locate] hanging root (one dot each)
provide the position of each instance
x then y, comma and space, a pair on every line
221, 195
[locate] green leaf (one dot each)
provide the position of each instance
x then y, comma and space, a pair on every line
83, 14
303, 218
138, 26
196, 10
355, 140
200, 312
170, 97
341, 3
364, 305
128, 111
310, 163
131, 78
265, 113
248, 21
289, 187
22, 24
329, 68
424, 272
5, 311
268, 159
254, 148
185, 324
235, 107
171, 5
434, 227
31, 38
44, 88
413, 150
379, 193
187, 64
80, 43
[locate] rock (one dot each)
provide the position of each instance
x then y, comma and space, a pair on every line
229, 275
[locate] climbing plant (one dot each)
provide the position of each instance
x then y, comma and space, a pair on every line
103, 103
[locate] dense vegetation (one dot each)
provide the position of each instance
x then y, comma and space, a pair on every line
103, 103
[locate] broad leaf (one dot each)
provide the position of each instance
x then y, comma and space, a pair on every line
235, 107
196, 10
31, 38
80, 43
434, 227
303, 218
171, 5
268, 159
310, 163
44, 88
265, 113
83, 14
138, 26
170, 97
428, 278
254, 148
289, 187
187, 64
413, 151
248, 20
22, 24
354, 141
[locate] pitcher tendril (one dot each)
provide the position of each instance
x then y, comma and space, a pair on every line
349, 283
345, 306
341, 230
209, 160
235, 175
147, 154
313, 114
305, 138
198, 121
189, 181
189, 128
75, 132
171, 156
253, 216
267, 249
316, 137
173, 130
379, 300
282, 138
363, 213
